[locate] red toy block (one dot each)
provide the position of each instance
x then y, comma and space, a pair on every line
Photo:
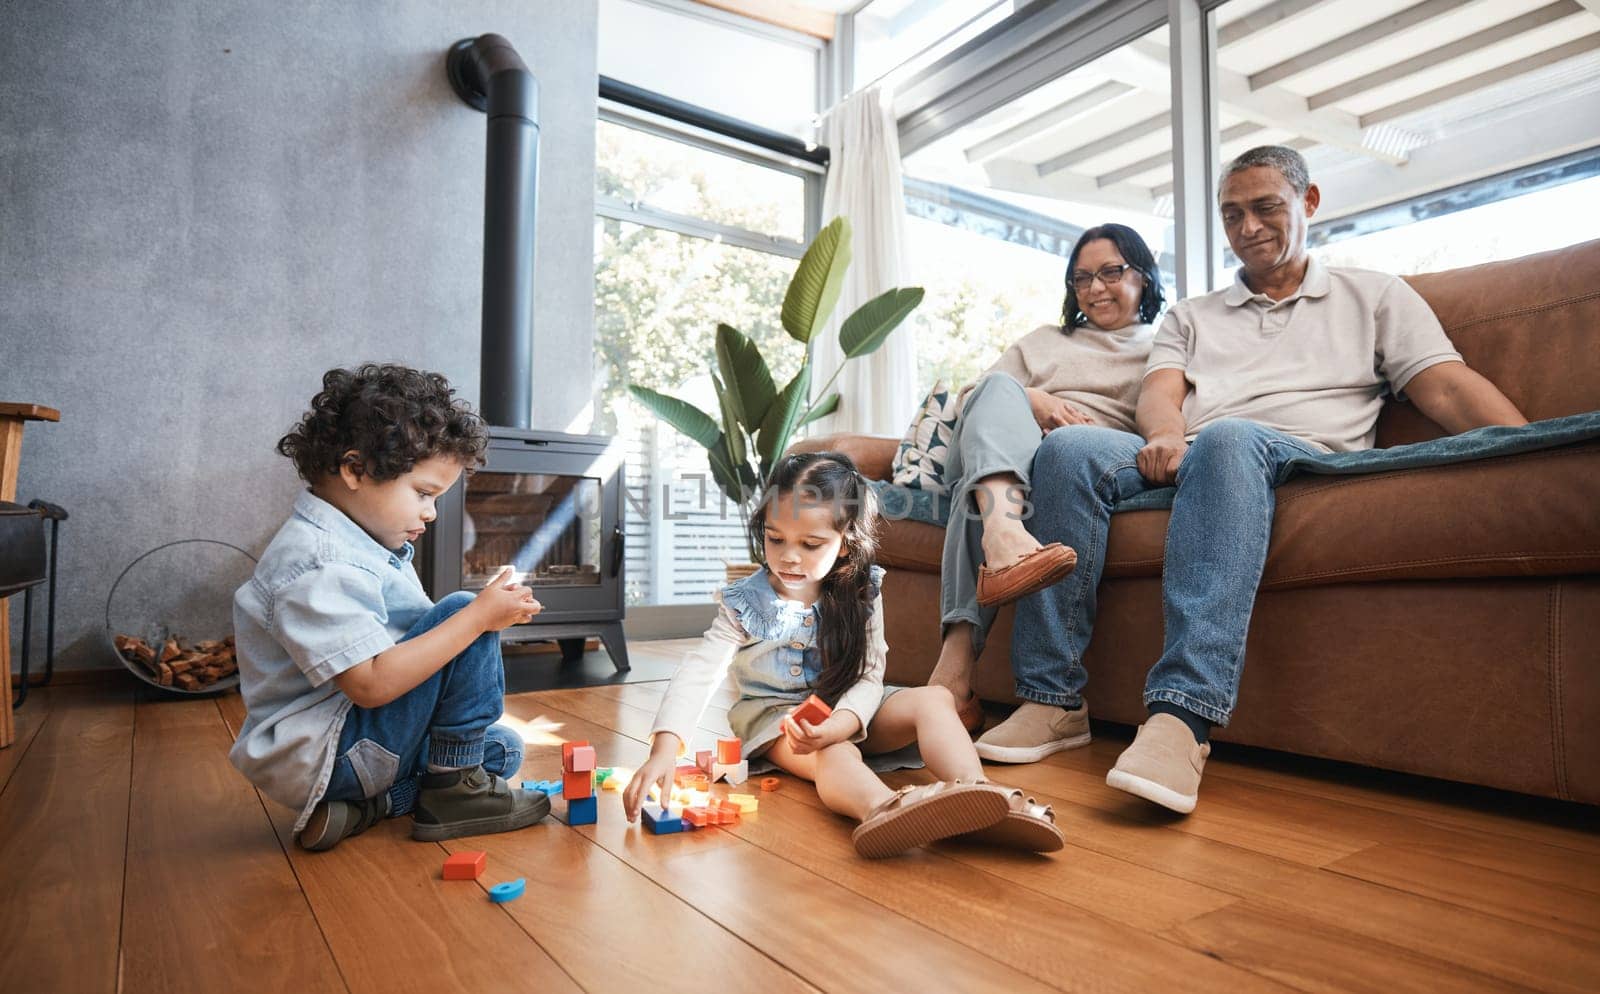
566, 754
581, 760
577, 785
696, 817
465, 865
728, 752
702, 759
813, 711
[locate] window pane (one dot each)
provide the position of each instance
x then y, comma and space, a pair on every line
652, 171
1405, 99
658, 298
904, 35
746, 74
1090, 147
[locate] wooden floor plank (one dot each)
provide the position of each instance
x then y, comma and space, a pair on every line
393, 924
64, 833
28, 720
1049, 939
1312, 957
211, 902
1504, 895
1118, 825
578, 895
824, 933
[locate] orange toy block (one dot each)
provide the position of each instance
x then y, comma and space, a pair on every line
813, 711
770, 783
695, 816
702, 759
577, 785
728, 752
465, 865
567, 749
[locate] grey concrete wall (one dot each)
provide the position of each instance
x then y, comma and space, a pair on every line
204, 204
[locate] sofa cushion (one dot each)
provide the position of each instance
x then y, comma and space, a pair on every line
1521, 515
919, 462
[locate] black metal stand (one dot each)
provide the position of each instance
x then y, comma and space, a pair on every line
571, 636
56, 515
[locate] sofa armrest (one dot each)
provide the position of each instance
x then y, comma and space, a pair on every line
872, 454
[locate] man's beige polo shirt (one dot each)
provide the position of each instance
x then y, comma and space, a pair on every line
1315, 365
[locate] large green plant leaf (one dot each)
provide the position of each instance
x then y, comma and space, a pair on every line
815, 287
745, 374
728, 479
822, 410
866, 329
782, 419
682, 415
733, 438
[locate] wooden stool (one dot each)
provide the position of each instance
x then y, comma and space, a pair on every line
12, 419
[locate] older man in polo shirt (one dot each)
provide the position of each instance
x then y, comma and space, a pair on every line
1293, 358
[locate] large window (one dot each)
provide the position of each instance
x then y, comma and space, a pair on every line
686, 236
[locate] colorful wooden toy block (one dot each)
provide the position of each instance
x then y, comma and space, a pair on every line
660, 822
702, 759
602, 774
567, 749
582, 759
695, 817
509, 891
770, 783
735, 774
813, 711
465, 865
550, 787
746, 803
583, 811
575, 785
728, 752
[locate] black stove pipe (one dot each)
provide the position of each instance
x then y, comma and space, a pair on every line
489, 75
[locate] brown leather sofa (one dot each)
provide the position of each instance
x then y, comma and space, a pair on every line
1438, 621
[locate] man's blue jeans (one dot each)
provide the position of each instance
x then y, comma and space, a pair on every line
1216, 549
448, 717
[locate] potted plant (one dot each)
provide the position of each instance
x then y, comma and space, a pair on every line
758, 419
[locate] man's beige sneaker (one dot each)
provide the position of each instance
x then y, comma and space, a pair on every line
1033, 732
1163, 764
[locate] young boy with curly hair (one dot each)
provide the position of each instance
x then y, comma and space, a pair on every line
366, 700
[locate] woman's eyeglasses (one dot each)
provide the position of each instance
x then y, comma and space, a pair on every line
1108, 275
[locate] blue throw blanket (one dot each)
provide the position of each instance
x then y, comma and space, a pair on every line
1480, 443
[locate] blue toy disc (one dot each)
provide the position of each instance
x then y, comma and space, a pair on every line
509, 891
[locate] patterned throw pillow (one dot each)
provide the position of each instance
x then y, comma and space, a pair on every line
919, 462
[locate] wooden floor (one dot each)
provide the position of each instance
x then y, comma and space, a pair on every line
137, 860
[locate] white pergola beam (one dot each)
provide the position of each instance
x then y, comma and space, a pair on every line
1445, 53
1024, 177
1561, 53
1298, 144
1561, 126
1109, 143
1042, 124
1133, 169
1267, 17
1355, 40
1144, 65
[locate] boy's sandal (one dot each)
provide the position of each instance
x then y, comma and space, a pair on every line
918, 815
1028, 825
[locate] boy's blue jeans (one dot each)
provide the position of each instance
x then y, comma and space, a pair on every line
1215, 552
447, 719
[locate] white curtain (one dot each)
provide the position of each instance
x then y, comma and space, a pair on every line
878, 392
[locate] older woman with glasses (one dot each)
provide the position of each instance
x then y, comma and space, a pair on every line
1085, 370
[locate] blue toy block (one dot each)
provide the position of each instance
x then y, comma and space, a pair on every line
582, 811
658, 822
510, 891
549, 788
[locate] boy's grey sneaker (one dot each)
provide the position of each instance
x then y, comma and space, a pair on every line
1033, 732
472, 802
332, 822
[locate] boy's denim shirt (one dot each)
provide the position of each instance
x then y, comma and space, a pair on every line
325, 597
769, 646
